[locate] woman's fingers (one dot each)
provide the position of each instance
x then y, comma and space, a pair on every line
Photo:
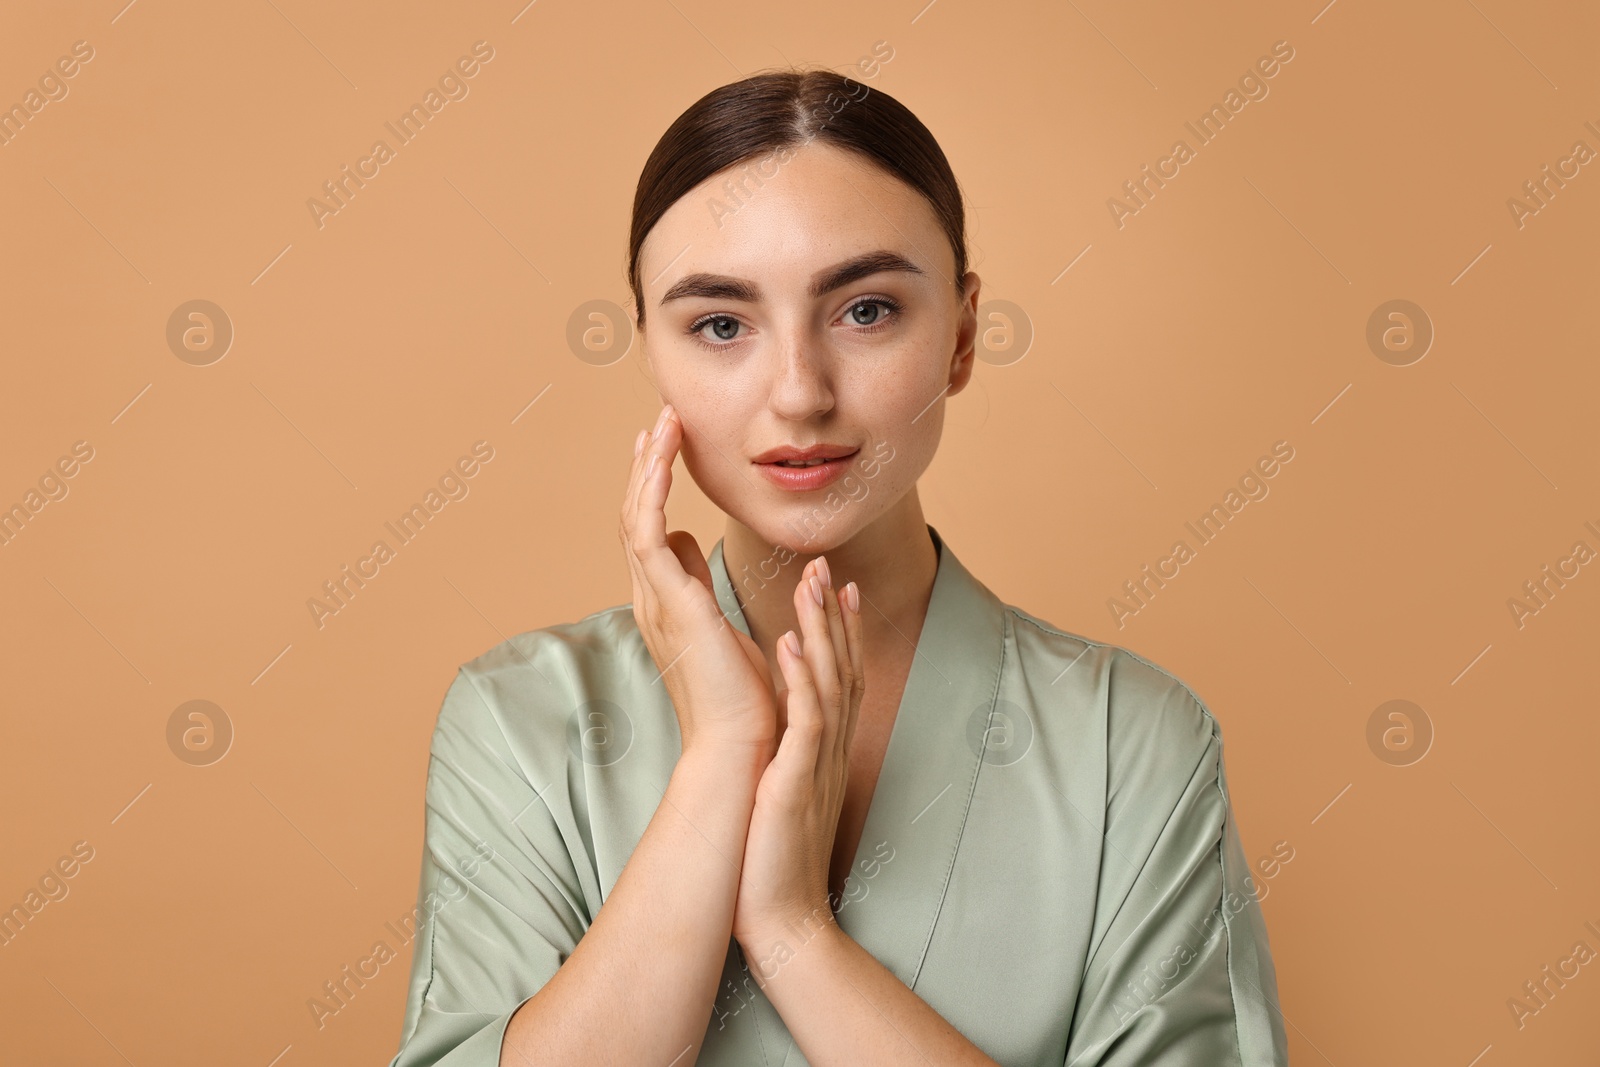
650, 555
641, 457
646, 445
802, 735
630, 494
656, 450
818, 649
841, 651
850, 608
658, 563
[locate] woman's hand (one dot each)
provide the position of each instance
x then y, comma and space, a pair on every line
783, 886
716, 676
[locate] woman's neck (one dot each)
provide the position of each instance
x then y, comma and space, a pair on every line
892, 561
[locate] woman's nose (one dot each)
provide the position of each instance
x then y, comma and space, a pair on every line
802, 378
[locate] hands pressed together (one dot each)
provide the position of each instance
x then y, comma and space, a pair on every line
726, 701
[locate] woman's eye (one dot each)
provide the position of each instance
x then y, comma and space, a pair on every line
871, 312
723, 328
859, 319
868, 314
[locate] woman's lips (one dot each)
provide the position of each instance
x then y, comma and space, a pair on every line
805, 479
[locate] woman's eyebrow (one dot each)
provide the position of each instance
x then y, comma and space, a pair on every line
724, 287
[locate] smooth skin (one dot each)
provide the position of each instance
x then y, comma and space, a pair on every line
752, 760
617, 999
744, 842
758, 340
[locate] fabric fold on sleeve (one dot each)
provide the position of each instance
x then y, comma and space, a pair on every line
500, 905
1183, 976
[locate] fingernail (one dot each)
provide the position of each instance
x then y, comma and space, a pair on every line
816, 590
852, 596
822, 569
661, 419
650, 468
793, 643
638, 442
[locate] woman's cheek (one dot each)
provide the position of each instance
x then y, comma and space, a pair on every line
710, 465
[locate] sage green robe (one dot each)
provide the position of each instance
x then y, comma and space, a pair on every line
1050, 859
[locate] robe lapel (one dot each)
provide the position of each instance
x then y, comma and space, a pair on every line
930, 768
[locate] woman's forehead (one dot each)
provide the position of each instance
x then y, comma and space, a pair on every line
788, 221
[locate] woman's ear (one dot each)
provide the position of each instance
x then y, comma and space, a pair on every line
641, 346
965, 355
632, 308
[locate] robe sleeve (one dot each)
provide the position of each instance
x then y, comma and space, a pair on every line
500, 905
1181, 975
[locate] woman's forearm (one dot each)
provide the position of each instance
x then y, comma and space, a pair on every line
843, 1007
640, 985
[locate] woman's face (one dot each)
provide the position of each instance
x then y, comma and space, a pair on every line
813, 306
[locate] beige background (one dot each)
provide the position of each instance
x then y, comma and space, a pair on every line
369, 354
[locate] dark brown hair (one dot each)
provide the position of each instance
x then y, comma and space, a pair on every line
778, 110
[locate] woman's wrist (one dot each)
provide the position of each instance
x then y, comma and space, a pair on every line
770, 944
727, 762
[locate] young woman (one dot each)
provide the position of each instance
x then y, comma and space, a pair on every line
821, 798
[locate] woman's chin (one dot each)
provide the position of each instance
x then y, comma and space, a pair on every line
804, 529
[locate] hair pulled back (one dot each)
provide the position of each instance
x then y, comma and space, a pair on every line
769, 112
